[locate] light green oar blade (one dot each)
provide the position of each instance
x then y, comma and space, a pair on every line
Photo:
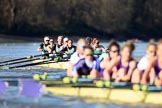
4, 67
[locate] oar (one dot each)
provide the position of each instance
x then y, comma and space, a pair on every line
22, 61
29, 88
27, 57
30, 64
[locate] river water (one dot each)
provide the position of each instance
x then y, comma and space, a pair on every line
12, 99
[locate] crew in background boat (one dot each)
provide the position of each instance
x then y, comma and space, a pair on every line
86, 65
98, 49
63, 52
43, 46
113, 53
70, 49
105, 55
59, 46
154, 65
143, 64
51, 47
89, 41
65, 42
81, 44
122, 66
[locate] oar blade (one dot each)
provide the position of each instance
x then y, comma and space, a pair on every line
3, 86
30, 88
4, 67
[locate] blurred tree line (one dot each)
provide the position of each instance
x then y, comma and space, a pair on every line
112, 18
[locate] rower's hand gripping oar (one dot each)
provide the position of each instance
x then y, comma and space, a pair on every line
27, 57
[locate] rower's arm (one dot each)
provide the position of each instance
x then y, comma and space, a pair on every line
111, 64
39, 49
132, 66
147, 71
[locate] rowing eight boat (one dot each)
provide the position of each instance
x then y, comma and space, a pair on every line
114, 94
124, 94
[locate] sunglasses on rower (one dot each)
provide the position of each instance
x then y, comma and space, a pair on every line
82, 46
114, 51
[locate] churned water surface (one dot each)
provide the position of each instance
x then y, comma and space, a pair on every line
12, 99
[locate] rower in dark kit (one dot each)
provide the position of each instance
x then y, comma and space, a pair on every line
70, 49
43, 46
59, 46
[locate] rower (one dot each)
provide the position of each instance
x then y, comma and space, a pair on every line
143, 64
64, 50
113, 53
59, 46
81, 44
86, 65
122, 66
51, 47
98, 49
126, 63
43, 46
88, 40
154, 65
70, 49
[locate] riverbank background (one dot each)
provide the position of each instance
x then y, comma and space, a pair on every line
105, 19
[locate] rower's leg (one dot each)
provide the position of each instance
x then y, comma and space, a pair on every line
152, 76
69, 70
160, 75
106, 74
132, 66
121, 73
94, 74
75, 74
157, 81
114, 73
136, 76
104, 63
